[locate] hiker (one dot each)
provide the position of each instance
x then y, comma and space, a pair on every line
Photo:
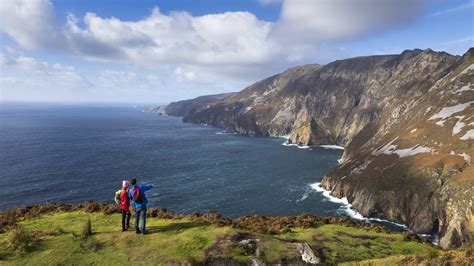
122, 199
137, 194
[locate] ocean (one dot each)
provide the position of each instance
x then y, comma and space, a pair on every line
77, 153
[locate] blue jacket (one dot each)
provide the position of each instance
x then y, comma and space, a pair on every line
143, 188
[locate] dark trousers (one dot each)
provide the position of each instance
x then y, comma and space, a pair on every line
125, 219
140, 212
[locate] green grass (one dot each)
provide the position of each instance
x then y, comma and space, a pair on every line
273, 249
341, 243
392, 260
172, 241
168, 241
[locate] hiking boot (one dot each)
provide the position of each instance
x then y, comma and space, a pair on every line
138, 232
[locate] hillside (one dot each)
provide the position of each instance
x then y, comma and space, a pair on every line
54, 234
407, 122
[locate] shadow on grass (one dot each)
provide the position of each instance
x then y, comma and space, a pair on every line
174, 228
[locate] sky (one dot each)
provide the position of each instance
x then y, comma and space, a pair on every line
152, 51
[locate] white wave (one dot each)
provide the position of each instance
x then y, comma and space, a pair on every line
334, 147
390, 222
303, 197
225, 133
289, 144
432, 238
346, 207
296, 145
303, 147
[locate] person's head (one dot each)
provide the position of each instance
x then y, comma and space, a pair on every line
133, 181
125, 184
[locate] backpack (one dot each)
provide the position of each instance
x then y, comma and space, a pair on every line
137, 195
117, 196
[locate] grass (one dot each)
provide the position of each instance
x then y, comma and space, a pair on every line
339, 243
180, 240
22, 240
168, 241
392, 260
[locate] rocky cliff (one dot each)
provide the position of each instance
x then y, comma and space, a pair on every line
407, 122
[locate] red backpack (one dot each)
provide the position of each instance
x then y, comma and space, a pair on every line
137, 195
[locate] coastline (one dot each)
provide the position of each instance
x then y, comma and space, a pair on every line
354, 214
345, 205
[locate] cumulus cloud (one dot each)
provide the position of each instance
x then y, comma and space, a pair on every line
231, 48
339, 19
32, 24
217, 39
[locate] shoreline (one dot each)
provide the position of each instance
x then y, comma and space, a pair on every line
346, 206
354, 214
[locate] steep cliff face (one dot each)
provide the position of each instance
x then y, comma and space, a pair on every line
413, 164
407, 122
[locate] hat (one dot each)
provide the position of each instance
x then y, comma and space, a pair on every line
125, 184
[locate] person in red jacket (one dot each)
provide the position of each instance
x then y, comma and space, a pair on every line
125, 205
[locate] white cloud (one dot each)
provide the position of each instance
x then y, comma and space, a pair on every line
32, 24
340, 19
226, 50
25, 78
216, 39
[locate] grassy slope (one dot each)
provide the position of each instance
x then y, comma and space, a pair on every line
181, 240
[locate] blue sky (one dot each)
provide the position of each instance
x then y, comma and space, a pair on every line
161, 51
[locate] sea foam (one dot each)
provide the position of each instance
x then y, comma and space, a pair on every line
334, 147
226, 133
347, 207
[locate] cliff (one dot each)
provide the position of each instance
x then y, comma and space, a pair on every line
407, 122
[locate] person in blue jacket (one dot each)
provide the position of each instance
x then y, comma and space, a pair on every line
137, 195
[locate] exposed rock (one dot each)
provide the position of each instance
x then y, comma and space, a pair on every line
407, 122
307, 254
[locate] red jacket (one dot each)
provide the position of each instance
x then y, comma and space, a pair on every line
124, 200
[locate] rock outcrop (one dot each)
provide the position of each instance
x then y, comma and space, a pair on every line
407, 122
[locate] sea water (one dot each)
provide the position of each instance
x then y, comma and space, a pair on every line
74, 153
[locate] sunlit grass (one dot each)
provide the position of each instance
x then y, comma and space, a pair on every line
179, 240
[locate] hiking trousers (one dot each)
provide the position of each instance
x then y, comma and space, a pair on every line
140, 212
125, 219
